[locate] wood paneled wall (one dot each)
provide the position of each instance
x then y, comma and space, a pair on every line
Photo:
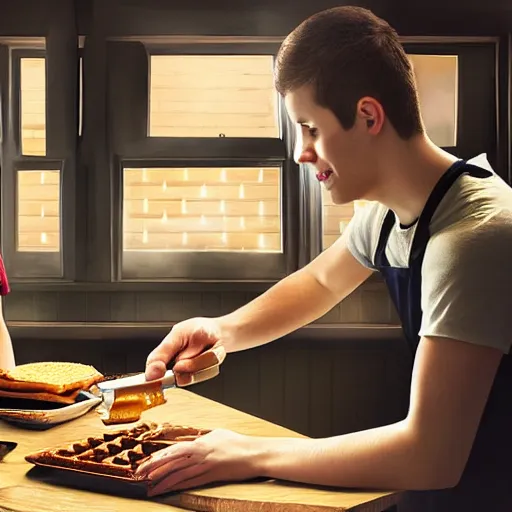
319, 388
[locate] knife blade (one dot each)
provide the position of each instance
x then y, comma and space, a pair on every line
126, 398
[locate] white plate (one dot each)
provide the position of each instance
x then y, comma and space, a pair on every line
46, 418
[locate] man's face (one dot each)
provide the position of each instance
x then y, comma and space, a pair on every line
342, 159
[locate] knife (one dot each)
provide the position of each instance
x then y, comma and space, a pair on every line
126, 398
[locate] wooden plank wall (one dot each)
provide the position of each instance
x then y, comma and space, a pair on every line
318, 388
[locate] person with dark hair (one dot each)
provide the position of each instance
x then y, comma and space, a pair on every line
7, 361
438, 229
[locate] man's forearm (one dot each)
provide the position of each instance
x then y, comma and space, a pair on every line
290, 304
387, 458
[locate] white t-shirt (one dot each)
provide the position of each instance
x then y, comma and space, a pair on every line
467, 268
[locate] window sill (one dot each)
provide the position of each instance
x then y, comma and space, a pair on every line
142, 331
374, 282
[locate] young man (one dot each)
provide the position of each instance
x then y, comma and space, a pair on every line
440, 232
6, 352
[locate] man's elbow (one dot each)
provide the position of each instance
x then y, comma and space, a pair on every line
437, 473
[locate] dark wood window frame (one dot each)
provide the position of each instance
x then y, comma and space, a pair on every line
60, 155
131, 146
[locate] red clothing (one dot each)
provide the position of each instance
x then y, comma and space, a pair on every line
4, 282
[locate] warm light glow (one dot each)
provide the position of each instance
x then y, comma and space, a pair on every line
38, 211
32, 106
206, 95
144, 175
204, 213
185, 174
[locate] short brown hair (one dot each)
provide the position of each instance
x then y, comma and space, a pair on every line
346, 53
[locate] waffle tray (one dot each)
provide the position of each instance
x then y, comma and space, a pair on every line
107, 462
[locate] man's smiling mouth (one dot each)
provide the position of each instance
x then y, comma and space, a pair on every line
324, 175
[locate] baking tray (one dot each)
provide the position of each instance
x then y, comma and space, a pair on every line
89, 481
42, 415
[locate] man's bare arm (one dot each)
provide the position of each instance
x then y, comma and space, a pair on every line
428, 450
295, 301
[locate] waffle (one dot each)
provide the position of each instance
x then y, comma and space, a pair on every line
117, 453
49, 377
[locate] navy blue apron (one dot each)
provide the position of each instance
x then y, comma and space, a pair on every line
482, 480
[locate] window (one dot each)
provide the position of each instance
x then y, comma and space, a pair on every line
33, 105
212, 96
205, 176
38, 161
437, 82
202, 209
38, 215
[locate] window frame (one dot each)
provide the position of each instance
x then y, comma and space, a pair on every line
133, 147
60, 155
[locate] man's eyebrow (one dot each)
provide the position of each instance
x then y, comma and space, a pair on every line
302, 121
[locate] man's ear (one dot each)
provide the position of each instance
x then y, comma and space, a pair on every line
370, 112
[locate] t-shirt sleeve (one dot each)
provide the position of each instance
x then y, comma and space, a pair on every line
4, 282
466, 284
363, 233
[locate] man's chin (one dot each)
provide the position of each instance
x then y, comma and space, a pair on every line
341, 198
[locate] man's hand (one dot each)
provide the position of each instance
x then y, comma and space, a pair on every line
186, 340
221, 455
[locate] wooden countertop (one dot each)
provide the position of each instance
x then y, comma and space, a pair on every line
20, 492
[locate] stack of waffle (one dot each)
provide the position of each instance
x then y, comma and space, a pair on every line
116, 453
59, 382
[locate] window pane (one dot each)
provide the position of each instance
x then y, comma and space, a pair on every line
212, 96
33, 106
38, 211
436, 78
335, 218
202, 209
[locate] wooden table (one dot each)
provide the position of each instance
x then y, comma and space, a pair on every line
22, 493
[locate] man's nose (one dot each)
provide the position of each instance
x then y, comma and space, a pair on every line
307, 155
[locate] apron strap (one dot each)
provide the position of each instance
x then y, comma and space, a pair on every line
422, 233
381, 260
